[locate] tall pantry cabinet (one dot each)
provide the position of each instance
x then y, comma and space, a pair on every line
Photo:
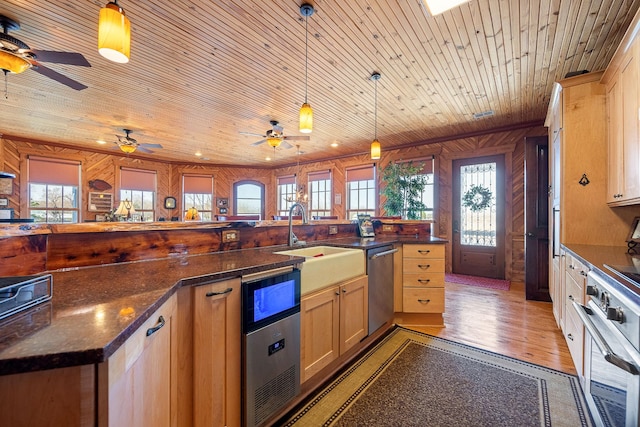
579, 214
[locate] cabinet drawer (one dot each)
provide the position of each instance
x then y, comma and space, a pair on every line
423, 280
573, 291
577, 270
423, 251
423, 300
414, 265
574, 334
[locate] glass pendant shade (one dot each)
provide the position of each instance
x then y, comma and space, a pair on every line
128, 148
274, 142
13, 63
114, 34
375, 150
306, 118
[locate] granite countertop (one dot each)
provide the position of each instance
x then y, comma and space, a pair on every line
596, 256
95, 309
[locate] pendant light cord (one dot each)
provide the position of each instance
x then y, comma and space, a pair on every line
375, 112
306, 57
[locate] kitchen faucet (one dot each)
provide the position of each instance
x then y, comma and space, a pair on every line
293, 239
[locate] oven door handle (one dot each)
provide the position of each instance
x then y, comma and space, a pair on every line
609, 355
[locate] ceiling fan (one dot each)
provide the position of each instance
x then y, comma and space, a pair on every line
276, 137
129, 145
17, 57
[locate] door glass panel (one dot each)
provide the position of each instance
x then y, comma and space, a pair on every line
478, 204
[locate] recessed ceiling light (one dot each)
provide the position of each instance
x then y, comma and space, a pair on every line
334, 144
267, 159
198, 154
99, 141
436, 7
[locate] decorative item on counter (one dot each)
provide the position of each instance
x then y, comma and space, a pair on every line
125, 210
634, 236
477, 199
192, 214
365, 226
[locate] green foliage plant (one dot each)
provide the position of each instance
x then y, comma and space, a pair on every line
403, 184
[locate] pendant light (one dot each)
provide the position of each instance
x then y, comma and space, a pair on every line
375, 145
114, 33
306, 113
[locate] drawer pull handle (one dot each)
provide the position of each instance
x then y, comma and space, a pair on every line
424, 252
570, 336
570, 297
424, 267
582, 273
424, 280
424, 301
213, 294
156, 328
571, 267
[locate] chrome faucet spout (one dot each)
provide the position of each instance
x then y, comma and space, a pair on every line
293, 239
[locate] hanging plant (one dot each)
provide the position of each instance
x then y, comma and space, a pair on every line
478, 198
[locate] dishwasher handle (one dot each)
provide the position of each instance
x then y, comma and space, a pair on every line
381, 254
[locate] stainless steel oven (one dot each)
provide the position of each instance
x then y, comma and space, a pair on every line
612, 355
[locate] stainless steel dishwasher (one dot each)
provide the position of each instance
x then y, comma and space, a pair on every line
380, 272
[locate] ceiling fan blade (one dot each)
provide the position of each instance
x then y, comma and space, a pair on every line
69, 58
286, 145
143, 149
259, 142
145, 145
297, 138
60, 78
251, 134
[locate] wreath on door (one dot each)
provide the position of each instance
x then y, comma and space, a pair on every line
477, 198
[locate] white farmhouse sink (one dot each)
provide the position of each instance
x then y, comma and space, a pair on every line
327, 265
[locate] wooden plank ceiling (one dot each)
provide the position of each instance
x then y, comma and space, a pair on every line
202, 72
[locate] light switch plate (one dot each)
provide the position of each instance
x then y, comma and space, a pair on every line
333, 229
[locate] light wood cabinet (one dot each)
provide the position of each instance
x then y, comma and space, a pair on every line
623, 119
137, 385
423, 278
575, 283
333, 320
216, 354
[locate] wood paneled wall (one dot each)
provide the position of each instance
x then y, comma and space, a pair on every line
105, 166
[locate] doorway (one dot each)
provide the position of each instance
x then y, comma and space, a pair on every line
478, 246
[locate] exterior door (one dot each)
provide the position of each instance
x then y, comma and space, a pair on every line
536, 218
478, 217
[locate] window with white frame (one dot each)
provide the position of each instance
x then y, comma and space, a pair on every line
248, 198
138, 186
197, 191
53, 190
427, 195
286, 191
361, 191
320, 193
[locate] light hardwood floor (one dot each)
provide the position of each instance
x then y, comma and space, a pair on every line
503, 322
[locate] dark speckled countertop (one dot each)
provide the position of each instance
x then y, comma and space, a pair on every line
84, 323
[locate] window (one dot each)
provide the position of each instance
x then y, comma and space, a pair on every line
320, 193
361, 191
286, 193
428, 193
53, 190
139, 187
197, 193
248, 198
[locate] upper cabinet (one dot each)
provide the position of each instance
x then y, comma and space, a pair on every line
623, 121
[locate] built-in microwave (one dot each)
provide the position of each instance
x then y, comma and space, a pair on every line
266, 300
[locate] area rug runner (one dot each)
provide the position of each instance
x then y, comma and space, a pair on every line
415, 379
482, 282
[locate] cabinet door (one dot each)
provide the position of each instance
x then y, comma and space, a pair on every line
631, 149
354, 315
138, 384
615, 144
320, 330
217, 357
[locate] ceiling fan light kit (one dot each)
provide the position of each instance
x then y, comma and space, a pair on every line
13, 63
13, 52
306, 113
114, 33
375, 144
